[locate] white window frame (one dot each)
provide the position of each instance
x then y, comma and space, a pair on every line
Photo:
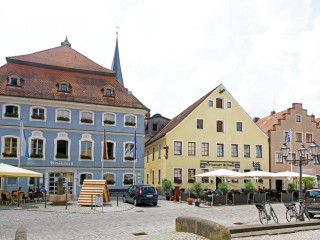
115, 119
195, 149
195, 173
275, 158
114, 178
159, 150
124, 151
256, 151
223, 100
208, 149
147, 156
202, 124
212, 102
311, 136
205, 177
114, 151
159, 175
38, 120
241, 126
134, 179
223, 127
4, 111
237, 149
223, 152
230, 105
153, 153
18, 80
247, 179
62, 136
63, 109
36, 135
85, 111
3, 146
173, 152
92, 175
86, 138
295, 137
249, 151
181, 175
300, 118
130, 115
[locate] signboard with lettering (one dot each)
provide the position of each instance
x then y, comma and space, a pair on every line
202, 165
237, 165
257, 167
99, 200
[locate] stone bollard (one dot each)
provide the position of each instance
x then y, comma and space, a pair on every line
21, 234
202, 227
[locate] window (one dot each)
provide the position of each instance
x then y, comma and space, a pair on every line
246, 151
159, 176
219, 103
109, 118
62, 149
38, 113
63, 115
229, 105
239, 126
191, 175
64, 87
130, 120
14, 81
86, 150
111, 180
309, 137
108, 92
285, 135
292, 156
84, 176
235, 180
246, 170
10, 147
204, 179
147, 156
278, 158
298, 118
258, 151
210, 103
159, 151
147, 178
128, 179
128, 148
111, 151
12, 180
199, 123
153, 154
152, 176
36, 148
11, 111
204, 149
298, 137
220, 151
219, 126
191, 148
177, 148
155, 127
86, 117
234, 150
177, 175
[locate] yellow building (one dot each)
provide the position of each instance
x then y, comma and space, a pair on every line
213, 133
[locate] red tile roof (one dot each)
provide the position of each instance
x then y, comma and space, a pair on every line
178, 119
42, 71
267, 123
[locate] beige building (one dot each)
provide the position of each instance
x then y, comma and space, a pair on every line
303, 130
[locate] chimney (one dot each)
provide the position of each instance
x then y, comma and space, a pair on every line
273, 112
313, 117
256, 119
148, 115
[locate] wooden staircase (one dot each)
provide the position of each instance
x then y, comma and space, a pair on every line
93, 187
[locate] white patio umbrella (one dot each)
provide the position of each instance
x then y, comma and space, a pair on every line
221, 173
288, 174
259, 174
12, 171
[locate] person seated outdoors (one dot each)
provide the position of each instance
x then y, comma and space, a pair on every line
6, 192
43, 191
30, 193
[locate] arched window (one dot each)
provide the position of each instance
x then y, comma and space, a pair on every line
63, 115
62, 147
130, 120
14, 81
128, 178
86, 117
11, 111
9, 146
110, 177
128, 151
109, 119
84, 176
37, 113
86, 146
37, 145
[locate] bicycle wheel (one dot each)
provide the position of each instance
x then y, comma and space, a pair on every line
306, 213
274, 216
290, 214
263, 217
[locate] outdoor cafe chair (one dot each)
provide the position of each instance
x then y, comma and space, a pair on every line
4, 198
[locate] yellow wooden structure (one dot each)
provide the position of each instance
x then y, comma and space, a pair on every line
93, 188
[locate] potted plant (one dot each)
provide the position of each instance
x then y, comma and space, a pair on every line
190, 201
166, 187
223, 188
197, 190
177, 180
292, 188
130, 123
249, 188
191, 180
128, 158
109, 122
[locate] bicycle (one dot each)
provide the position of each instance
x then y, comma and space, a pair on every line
291, 212
263, 213
304, 209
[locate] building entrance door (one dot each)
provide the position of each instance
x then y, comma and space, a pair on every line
218, 180
67, 179
279, 185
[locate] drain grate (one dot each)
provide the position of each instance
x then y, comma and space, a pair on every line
140, 211
139, 234
238, 223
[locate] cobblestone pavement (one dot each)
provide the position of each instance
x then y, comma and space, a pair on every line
121, 222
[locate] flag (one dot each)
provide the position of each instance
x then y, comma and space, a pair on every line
135, 146
288, 138
105, 146
24, 145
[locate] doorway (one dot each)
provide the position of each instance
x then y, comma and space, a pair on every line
279, 184
218, 180
67, 179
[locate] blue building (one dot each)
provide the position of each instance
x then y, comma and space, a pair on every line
66, 102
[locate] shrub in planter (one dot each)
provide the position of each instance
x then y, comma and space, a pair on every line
63, 119
128, 158
85, 157
109, 122
177, 180
197, 190
190, 201
292, 188
166, 187
36, 116
61, 155
223, 188
84, 120
6, 154
33, 155
249, 188
111, 182
128, 181
109, 158
130, 123
11, 114
191, 180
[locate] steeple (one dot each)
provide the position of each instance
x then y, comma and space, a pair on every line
116, 67
66, 43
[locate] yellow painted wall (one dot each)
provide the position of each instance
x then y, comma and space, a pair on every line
187, 131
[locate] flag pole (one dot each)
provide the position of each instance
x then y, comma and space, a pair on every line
291, 148
135, 155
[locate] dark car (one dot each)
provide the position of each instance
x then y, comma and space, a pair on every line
138, 194
312, 201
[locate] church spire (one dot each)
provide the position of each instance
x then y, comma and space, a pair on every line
116, 67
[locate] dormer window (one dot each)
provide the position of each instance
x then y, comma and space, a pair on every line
14, 81
108, 91
64, 87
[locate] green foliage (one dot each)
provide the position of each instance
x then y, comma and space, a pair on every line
307, 182
249, 187
197, 189
223, 187
292, 187
166, 185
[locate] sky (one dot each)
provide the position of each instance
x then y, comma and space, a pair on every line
266, 53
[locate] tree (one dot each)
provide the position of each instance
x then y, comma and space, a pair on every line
166, 186
292, 187
249, 187
197, 189
223, 187
307, 182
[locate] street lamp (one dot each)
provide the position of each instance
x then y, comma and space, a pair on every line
303, 160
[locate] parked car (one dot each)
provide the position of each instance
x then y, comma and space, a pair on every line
312, 201
138, 194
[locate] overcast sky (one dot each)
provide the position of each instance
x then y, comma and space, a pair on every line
266, 53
